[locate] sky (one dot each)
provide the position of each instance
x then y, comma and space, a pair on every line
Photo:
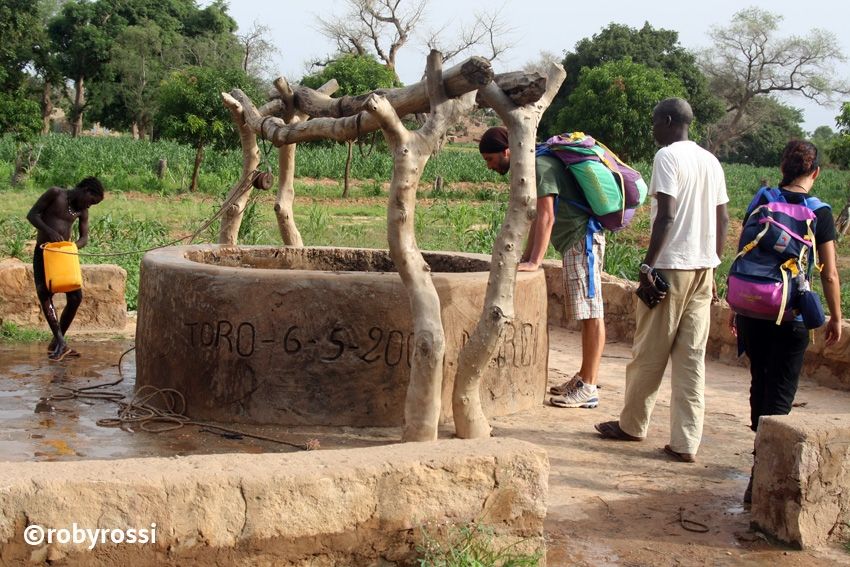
537, 26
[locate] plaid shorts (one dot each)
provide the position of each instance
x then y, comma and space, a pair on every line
577, 304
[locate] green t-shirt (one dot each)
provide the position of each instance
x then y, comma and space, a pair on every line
570, 221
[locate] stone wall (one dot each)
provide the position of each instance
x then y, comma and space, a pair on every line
801, 488
343, 507
827, 366
104, 306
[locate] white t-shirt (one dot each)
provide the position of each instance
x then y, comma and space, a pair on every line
694, 177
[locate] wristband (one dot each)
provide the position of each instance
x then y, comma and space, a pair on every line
646, 268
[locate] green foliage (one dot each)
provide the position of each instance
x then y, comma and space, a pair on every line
657, 49
11, 333
19, 28
125, 236
356, 74
824, 139
613, 102
81, 38
472, 545
14, 234
763, 144
128, 94
481, 239
19, 117
190, 108
839, 153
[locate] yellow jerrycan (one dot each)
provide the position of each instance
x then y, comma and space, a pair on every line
62, 267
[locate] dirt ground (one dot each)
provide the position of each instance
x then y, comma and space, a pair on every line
610, 503
624, 503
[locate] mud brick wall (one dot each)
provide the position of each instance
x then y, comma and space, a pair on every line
826, 366
103, 308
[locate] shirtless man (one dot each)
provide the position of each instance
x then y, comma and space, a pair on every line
53, 215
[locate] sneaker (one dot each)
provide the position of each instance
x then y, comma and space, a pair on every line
582, 396
566, 387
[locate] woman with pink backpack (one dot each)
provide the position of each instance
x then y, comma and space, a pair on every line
776, 342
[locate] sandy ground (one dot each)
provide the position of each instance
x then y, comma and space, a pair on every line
610, 503
626, 503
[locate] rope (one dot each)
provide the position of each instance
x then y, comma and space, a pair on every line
691, 525
241, 190
142, 413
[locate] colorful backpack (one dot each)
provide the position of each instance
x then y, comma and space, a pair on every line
776, 255
612, 189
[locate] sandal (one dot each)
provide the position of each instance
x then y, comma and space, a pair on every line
683, 457
611, 430
70, 354
56, 357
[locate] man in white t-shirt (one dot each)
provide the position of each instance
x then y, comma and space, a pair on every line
689, 222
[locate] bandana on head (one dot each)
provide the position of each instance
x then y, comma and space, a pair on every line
494, 141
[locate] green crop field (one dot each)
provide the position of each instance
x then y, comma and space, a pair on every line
142, 211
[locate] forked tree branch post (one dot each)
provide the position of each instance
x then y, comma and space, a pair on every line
411, 151
232, 217
521, 122
284, 109
285, 201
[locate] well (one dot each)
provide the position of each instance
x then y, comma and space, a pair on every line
319, 336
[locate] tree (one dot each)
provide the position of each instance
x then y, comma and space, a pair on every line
614, 102
19, 27
81, 38
748, 60
824, 138
190, 109
763, 144
374, 27
257, 51
839, 153
20, 118
126, 96
657, 49
355, 74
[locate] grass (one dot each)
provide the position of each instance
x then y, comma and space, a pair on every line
11, 333
472, 545
141, 211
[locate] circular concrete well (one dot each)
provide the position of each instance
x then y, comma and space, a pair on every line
319, 336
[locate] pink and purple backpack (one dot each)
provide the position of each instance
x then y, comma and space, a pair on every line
776, 255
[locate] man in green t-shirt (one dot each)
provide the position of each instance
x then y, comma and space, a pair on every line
565, 225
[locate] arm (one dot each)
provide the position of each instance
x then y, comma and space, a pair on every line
658, 238
722, 229
84, 229
538, 236
831, 290
36, 216
661, 227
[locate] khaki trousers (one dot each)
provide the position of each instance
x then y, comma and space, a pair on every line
677, 329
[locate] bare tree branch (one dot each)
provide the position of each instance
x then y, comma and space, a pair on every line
383, 25
488, 34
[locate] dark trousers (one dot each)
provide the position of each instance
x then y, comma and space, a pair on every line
776, 358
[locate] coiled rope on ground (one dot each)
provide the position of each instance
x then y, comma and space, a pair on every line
141, 411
